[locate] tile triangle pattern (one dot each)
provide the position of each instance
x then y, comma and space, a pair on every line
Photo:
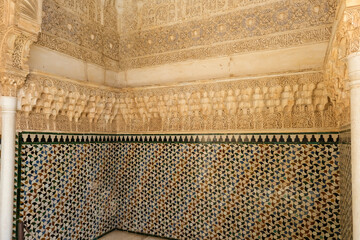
180, 186
42, 138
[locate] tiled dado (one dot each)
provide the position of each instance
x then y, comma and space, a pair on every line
345, 184
238, 186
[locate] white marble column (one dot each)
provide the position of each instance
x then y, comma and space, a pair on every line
354, 75
8, 111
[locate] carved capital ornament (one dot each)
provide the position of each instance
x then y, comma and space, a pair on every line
21, 24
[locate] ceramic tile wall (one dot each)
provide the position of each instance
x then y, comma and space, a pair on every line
68, 190
221, 187
345, 185
230, 191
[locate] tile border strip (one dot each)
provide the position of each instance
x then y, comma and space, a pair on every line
276, 138
17, 183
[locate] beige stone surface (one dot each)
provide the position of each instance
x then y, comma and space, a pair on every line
119, 235
95, 74
113, 79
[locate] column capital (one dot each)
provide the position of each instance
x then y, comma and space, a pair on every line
11, 82
15, 50
21, 25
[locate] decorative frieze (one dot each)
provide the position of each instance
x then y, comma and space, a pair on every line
352, 24
298, 101
231, 27
238, 46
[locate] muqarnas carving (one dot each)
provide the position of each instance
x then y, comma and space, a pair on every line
297, 101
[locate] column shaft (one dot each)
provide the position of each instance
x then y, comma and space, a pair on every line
7, 167
355, 159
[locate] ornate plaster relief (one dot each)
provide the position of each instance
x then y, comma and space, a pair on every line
277, 24
345, 41
18, 29
297, 101
125, 35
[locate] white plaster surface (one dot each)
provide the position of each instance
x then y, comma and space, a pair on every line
45, 60
95, 74
179, 72
282, 60
112, 79
48, 61
251, 64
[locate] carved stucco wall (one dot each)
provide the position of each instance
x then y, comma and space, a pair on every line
85, 29
2, 10
344, 42
19, 26
288, 102
104, 33
169, 31
274, 103
122, 35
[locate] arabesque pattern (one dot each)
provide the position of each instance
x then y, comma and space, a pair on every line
122, 35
